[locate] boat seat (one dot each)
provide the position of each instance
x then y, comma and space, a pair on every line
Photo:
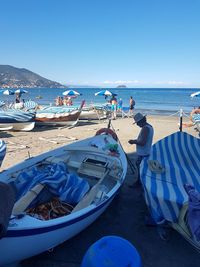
91, 195
65, 159
93, 167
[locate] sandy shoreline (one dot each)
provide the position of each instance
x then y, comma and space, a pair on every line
42, 139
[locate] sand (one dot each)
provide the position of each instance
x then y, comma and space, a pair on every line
125, 216
21, 145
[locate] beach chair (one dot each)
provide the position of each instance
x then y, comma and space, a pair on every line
165, 194
196, 121
30, 105
2, 103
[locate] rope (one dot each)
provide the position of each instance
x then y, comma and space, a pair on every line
173, 114
128, 159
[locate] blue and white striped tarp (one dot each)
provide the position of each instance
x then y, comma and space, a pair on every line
30, 105
165, 195
2, 151
16, 116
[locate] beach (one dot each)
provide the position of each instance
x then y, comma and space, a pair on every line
125, 216
21, 145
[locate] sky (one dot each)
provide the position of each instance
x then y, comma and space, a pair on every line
105, 43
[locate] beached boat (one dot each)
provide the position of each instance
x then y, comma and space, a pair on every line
89, 112
84, 177
58, 116
94, 112
2, 151
174, 163
16, 120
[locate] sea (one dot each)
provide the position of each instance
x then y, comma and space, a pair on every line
157, 101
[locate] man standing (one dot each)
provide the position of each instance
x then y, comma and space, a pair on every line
144, 141
131, 106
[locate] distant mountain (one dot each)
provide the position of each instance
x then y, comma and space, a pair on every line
11, 77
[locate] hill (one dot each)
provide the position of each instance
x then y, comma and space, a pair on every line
11, 77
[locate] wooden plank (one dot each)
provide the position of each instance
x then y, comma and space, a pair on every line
90, 196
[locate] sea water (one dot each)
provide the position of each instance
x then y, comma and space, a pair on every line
162, 101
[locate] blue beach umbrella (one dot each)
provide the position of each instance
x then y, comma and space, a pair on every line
20, 91
8, 92
71, 93
195, 94
105, 93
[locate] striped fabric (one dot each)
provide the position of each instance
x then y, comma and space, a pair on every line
29, 105
2, 103
2, 151
196, 118
16, 116
165, 195
69, 187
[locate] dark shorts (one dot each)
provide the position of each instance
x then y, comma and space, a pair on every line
131, 107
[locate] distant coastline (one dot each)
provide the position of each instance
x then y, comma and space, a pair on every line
12, 77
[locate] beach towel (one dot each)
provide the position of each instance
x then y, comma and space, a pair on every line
7, 200
69, 187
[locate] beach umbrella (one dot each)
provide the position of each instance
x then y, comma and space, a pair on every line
71, 93
105, 93
21, 91
195, 94
8, 92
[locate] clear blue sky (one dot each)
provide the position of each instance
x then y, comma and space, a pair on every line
140, 43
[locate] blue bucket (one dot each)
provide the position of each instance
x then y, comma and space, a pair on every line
111, 251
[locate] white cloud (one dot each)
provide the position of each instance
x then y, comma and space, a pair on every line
123, 82
176, 83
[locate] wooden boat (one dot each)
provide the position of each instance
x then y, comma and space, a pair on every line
91, 173
16, 120
57, 116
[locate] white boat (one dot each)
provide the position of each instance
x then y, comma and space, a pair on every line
93, 112
58, 116
98, 168
16, 120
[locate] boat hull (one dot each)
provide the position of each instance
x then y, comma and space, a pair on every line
37, 243
29, 236
20, 126
58, 117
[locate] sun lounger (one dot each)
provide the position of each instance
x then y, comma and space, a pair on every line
196, 121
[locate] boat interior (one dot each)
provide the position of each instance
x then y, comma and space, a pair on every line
99, 172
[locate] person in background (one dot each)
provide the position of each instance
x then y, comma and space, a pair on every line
191, 123
120, 103
131, 106
70, 103
58, 101
17, 99
113, 102
143, 142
